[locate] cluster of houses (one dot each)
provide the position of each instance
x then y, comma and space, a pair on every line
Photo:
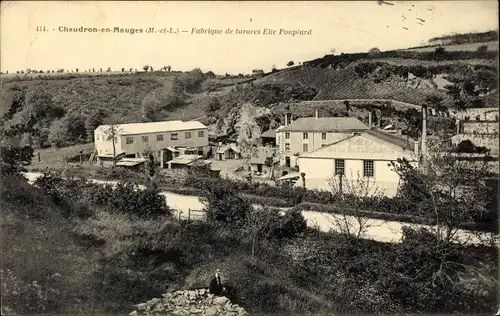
310, 152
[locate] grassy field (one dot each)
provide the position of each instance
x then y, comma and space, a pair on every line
51, 155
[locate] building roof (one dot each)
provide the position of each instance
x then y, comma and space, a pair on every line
259, 160
400, 141
130, 162
268, 134
184, 159
110, 155
290, 176
325, 124
154, 127
225, 148
406, 145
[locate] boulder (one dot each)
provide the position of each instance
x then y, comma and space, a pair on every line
221, 300
185, 303
141, 306
211, 311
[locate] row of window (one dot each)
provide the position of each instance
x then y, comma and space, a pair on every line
159, 137
368, 167
306, 136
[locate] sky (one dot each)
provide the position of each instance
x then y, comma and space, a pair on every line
334, 27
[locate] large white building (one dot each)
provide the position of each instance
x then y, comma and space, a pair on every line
361, 159
308, 134
133, 140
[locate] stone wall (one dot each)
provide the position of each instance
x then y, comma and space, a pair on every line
184, 303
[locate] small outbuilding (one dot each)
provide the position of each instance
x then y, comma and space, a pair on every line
226, 152
268, 138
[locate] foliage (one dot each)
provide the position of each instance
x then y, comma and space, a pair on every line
353, 194
224, 206
13, 158
188, 82
449, 190
124, 198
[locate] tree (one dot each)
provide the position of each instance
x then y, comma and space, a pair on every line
482, 48
290, 63
123, 69
374, 51
76, 70
435, 101
112, 131
151, 68
58, 133
439, 53
94, 119
354, 193
450, 192
109, 69
225, 207
13, 157
145, 67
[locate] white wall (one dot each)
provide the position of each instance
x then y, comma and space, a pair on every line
138, 145
104, 146
320, 171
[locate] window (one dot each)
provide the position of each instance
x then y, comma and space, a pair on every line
145, 139
97, 137
305, 136
174, 136
187, 134
340, 166
115, 139
368, 168
201, 133
287, 147
129, 140
323, 136
159, 137
287, 135
305, 147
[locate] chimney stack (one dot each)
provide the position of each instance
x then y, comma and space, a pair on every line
286, 119
317, 114
415, 148
370, 120
423, 147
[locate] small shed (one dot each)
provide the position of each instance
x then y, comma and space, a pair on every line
269, 138
259, 164
107, 159
289, 178
132, 163
230, 151
182, 161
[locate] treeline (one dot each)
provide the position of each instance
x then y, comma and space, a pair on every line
466, 38
440, 54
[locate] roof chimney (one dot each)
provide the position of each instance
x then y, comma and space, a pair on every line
286, 119
423, 147
316, 114
370, 120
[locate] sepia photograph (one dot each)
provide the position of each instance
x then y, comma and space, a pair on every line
232, 158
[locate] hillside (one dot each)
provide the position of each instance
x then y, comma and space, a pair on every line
62, 109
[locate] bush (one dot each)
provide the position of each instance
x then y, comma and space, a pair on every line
225, 206
86, 197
